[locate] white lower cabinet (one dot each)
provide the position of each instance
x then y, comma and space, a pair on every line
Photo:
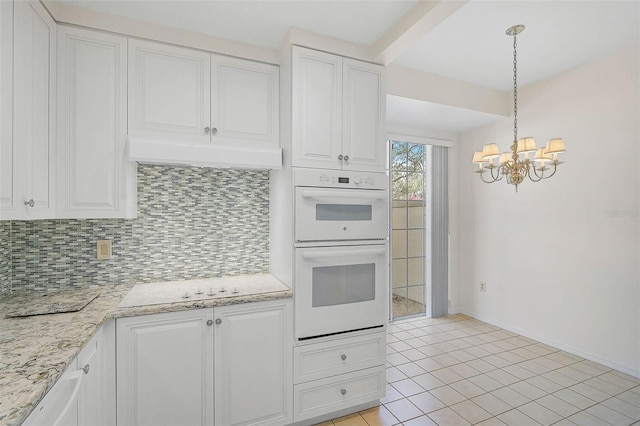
85, 393
97, 398
165, 369
338, 373
253, 364
166, 373
335, 393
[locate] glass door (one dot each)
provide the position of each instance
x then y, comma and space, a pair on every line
409, 257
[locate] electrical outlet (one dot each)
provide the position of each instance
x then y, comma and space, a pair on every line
483, 286
103, 250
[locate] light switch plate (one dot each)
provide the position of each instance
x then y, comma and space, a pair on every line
103, 250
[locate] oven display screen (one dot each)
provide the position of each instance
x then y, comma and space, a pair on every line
343, 180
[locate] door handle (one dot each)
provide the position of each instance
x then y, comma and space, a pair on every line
359, 194
342, 253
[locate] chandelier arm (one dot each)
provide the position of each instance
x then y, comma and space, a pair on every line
494, 179
555, 168
535, 172
499, 174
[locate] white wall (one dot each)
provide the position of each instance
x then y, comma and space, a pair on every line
561, 258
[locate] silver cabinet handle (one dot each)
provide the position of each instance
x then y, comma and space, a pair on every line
340, 157
209, 323
85, 369
214, 130
218, 321
346, 158
343, 391
207, 130
30, 203
343, 357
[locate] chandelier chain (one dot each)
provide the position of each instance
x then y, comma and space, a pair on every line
515, 91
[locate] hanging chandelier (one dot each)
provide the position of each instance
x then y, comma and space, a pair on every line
510, 164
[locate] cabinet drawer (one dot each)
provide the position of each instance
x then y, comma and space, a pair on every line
320, 360
324, 396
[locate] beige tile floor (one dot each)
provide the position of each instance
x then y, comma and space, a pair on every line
457, 370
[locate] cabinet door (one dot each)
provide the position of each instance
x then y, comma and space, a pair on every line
165, 369
95, 178
169, 92
8, 202
96, 402
317, 109
244, 103
363, 139
34, 101
253, 364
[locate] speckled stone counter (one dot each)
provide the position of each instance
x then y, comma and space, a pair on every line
35, 350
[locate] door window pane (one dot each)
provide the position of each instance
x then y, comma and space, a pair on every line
408, 246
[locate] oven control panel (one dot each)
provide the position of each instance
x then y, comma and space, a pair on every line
340, 179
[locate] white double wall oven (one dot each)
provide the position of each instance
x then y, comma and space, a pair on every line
341, 252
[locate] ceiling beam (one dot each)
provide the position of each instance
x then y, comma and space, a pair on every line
420, 20
413, 84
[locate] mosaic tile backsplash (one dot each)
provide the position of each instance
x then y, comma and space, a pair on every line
5, 259
192, 223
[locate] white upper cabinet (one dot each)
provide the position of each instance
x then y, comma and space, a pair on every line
225, 110
7, 164
338, 112
30, 153
363, 112
244, 103
317, 109
95, 179
169, 92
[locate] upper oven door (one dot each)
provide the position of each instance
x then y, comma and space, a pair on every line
330, 214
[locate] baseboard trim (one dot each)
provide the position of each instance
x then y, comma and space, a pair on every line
550, 342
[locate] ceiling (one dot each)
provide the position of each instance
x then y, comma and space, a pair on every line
467, 45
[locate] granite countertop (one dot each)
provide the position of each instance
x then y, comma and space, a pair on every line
35, 350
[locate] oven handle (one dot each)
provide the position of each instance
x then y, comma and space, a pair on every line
342, 253
341, 193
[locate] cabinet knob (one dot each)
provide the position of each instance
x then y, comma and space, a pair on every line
343, 391
346, 158
343, 357
85, 369
340, 157
209, 323
30, 203
214, 130
218, 321
207, 130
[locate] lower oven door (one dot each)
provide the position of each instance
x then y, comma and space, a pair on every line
340, 288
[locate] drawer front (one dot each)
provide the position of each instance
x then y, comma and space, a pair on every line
324, 396
320, 360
